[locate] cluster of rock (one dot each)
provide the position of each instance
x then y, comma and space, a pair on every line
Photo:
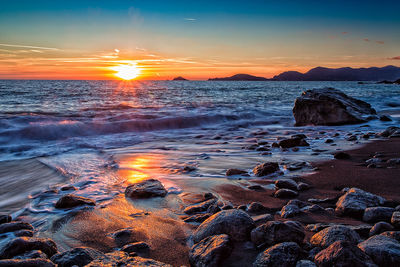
284, 243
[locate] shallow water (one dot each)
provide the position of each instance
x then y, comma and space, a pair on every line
99, 136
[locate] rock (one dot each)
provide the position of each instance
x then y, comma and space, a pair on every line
392, 234
343, 253
200, 207
24, 233
120, 258
391, 131
14, 226
27, 263
33, 254
352, 138
380, 227
198, 218
316, 227
385, 118
138, 247
285, 193
292, 208
68, 188
341, 155
361, 229
76, 256
263, 218
313, 209
124, 236
329, 106
329, 141
303, 186
355, 201
292, 142
71, 201
235, 223
283, 255
256, 187
208, 196
265, 169
256, 207
274, 232
210, 251
231, 172
146, 189
395, 220
305, 263
376, 214
383, 250
327, 236
21, 245
286, 183
5, 218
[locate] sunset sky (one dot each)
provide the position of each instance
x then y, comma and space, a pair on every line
195, 39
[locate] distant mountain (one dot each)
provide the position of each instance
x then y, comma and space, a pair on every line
179, 78
240, 77
342, 74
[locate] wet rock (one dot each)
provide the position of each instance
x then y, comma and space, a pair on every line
341, 155
292, 142
392, 234
265, 169
14, 226
274, 232
5, 218
214, 208
120, 258
362, 229
376, 214
210, 251
283, 254
263, 218
71, 201
313, 209
355, 201
305, 263
68, 188
21, 245
395, 220
316, 227
380, 227
27, 263
286, 183
235, 223
292, 208
24, 233
146, 189
343, 253
256, 207
329, 141
383, 250
231, 172
391, 131
198, 218
33, 254
352, 138
327, 236
285, 193
77, 256
329, 106
137, 247
303, 186
256, 187
200, 207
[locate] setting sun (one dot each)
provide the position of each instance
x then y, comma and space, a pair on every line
127, 72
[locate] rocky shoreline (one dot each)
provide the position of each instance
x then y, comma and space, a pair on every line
346, 213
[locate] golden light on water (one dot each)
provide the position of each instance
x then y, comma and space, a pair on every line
126, 72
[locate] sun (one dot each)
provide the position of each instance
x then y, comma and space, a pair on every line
126, 72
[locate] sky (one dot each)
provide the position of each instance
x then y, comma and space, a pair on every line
194, 39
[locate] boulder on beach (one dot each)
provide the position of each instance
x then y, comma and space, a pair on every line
21, 245
137, 247
199, 207
285, 193
210, 251
329, 235
292, 208
146, 189
236, 224
355, 201
292, 142
329, 106
391, 131
120, 258
231, 172
76, 256
376, 214
14, 226
71, 201
286, 183
33, 254
345, 254
383, 250
284, 254
27, 263
380, 227
395, 220
265, 169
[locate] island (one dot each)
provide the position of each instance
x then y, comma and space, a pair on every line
179, 78
240, 77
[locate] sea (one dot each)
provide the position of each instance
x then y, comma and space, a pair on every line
98, 136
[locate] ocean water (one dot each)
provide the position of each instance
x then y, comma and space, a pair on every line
99, 136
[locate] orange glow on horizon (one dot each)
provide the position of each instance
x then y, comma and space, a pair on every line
126, 72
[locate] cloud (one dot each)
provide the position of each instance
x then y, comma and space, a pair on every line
29, 46
189, 19
366, 39
345, 32
380, 42
394, 58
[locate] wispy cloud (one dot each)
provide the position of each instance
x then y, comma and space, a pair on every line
345, 33
366, 40
30, 47
190, 19
380, 42
394, 58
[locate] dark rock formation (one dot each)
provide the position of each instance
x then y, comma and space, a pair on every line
283, 255
231, 172
179, 78
355, 201
274, 232
265, 169
77, 256
285, 193
326, 237
14, 226
376, 214
71, 201
21, 245
383, 250
27, 263
210, 251
146, 189
240, 77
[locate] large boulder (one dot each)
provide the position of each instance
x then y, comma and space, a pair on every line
14, 226
383, 250
329, 235
146, 189
120, 258
210, 251
376, 214
77, 256
344, 254
329, 106
27, 263
21, 245
355, 201
274, 232
71, 201
235, 223
265, 169
282, 255
199, 207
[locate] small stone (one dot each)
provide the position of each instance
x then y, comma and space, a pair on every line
146, 189
5, 218
231, 172
265, 169
33, 254
286, 183
137, 247
292, 208
256, 207
198, 218
76, 256
124, 236
331, 234
68, 188
376, 214
385, 118
341, 155
329, 141
72, 201
285, 193
200, 207
395, 220
274, 232
256, 187
303, 186
283, 254
24, 233
380, 227
263, 218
